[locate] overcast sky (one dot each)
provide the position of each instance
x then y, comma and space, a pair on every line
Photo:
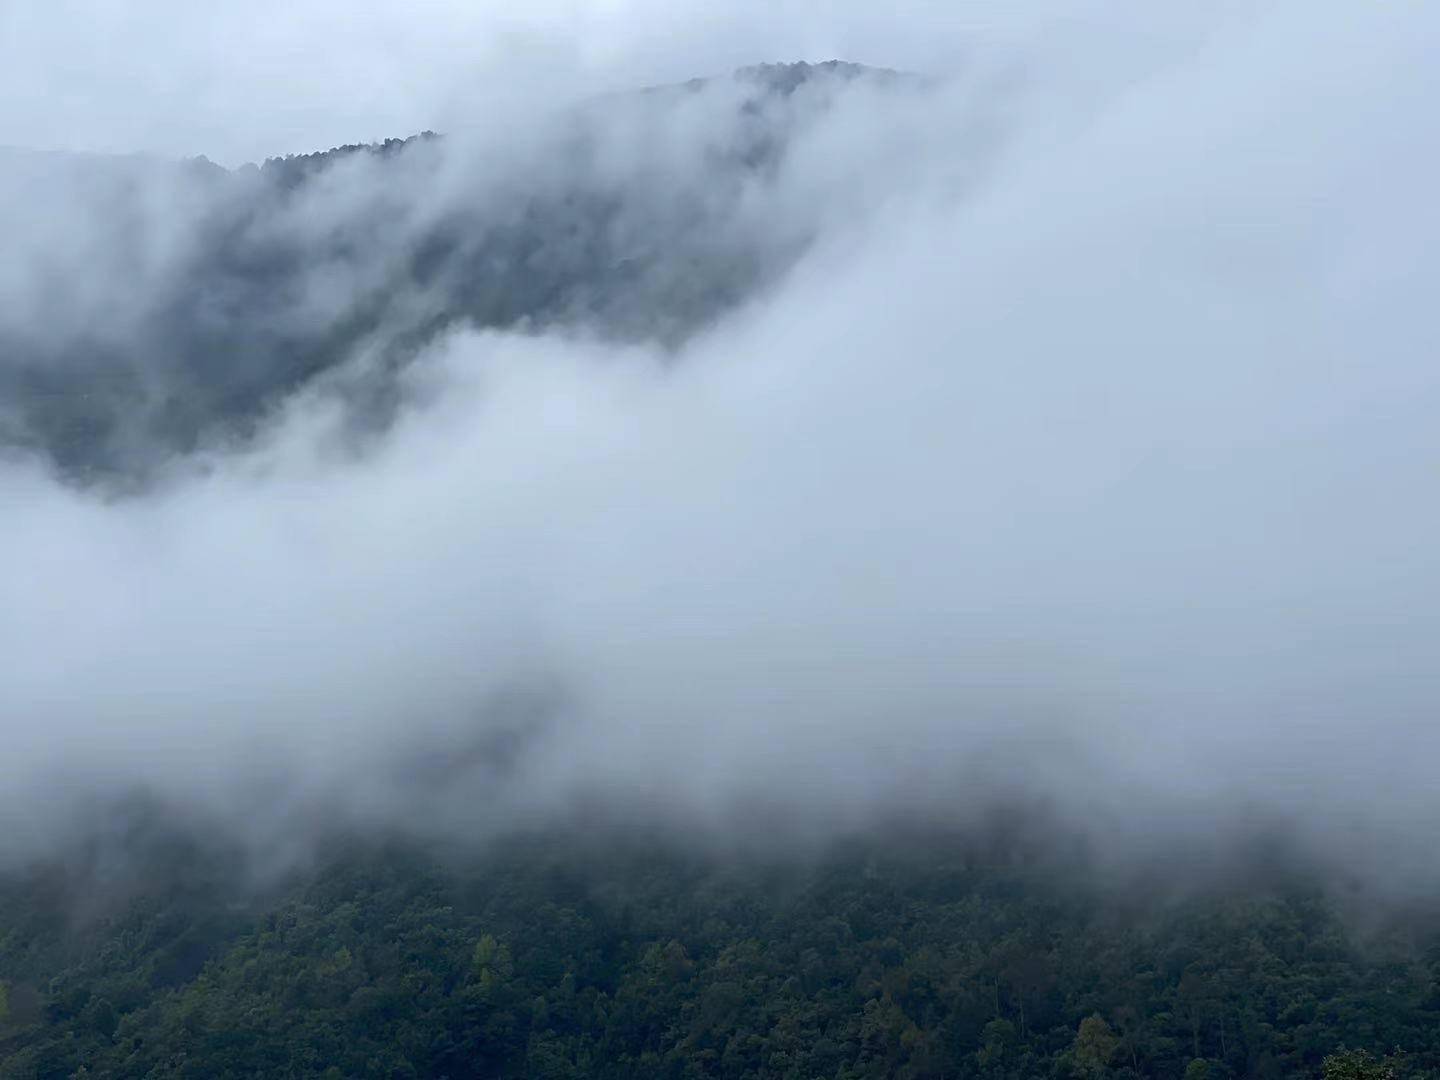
240, 81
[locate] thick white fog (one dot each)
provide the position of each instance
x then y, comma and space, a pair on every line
239, 81
1089, 454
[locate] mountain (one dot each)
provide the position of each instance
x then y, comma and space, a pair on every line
158, 307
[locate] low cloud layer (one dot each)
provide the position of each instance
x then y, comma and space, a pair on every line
1092, 461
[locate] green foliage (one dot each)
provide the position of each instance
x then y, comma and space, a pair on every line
1359, 1065
548, 962
1095, 1045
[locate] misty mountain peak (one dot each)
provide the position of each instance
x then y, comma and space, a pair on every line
786, 78
628, 218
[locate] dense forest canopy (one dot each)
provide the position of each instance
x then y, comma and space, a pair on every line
906, 955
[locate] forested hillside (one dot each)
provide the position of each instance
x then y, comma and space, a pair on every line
210, 295
544, 960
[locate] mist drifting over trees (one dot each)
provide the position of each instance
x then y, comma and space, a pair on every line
1030, 447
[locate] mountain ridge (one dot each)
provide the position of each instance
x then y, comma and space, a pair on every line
213, 294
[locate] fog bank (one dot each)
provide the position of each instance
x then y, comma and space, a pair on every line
1090, 457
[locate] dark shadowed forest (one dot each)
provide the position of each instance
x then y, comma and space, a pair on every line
899, 956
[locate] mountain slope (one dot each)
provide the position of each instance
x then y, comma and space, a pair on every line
163, 307
546, 959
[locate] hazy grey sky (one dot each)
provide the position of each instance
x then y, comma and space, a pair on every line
243, 80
